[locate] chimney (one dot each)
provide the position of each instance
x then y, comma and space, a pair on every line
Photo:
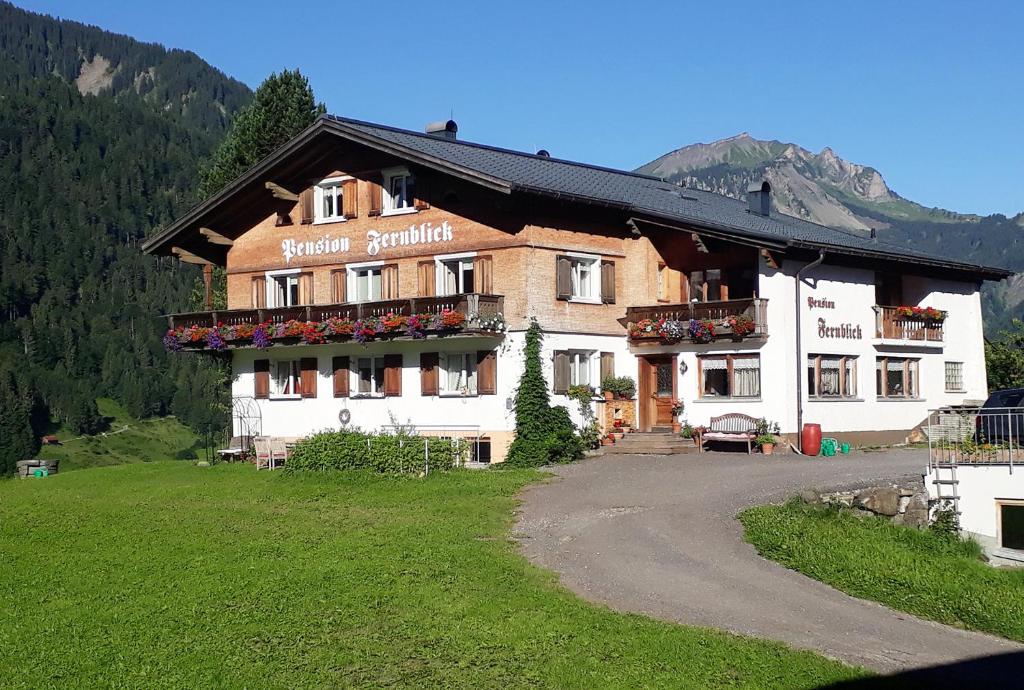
544, 153
874, 234
759, 198
443, 129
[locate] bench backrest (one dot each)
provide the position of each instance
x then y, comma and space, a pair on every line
734, 422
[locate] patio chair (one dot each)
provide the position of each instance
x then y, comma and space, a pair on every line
237, 448
263, 455
278, 451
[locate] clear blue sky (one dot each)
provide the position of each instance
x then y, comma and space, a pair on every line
929, 93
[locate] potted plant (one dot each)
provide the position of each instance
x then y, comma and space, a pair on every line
626, 387
767, 443
766, 435
607, 440
677, 409
686, 430
609, 386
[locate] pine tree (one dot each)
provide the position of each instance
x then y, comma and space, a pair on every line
18, 442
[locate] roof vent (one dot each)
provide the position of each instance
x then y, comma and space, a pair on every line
759, 198
874, 234
443, 129
544, 153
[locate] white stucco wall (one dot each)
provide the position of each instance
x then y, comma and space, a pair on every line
981, 488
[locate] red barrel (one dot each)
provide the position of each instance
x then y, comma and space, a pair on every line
810, 439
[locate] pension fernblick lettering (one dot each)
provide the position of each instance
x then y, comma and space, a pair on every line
423, 234
429, 258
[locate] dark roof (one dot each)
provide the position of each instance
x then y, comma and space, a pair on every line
643, 196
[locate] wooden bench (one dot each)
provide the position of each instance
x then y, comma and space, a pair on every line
731, 428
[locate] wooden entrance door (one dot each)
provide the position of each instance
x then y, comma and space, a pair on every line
657, 390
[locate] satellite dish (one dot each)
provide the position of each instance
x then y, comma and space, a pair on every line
344, 417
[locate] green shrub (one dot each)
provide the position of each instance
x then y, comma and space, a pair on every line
386, 453
185, 454
544, 434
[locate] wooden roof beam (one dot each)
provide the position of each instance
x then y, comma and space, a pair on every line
214, 237
770, 259
699, 241
280, 192
190, 258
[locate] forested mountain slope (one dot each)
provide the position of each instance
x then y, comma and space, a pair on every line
87, 170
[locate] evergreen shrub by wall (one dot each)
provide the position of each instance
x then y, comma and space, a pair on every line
544, 433
380, 452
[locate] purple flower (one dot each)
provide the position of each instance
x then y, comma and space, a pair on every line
260, 338
215, 340
171, 343
279, 330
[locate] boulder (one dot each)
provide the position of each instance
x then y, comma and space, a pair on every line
916, 514
880, 500
811, 497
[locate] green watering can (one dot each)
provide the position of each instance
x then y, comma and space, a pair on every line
829, 446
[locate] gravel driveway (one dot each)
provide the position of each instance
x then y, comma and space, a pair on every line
658, 535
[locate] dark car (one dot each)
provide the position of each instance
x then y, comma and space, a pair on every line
1001, 419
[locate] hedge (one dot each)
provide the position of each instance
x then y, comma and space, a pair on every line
380, 452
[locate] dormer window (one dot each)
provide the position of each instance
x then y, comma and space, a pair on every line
399, 191
329, 200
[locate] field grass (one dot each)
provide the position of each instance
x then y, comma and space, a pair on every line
158, 438
916, 571
169, 575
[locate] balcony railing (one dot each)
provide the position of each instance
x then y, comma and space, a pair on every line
717, 312
479, 311
891, 324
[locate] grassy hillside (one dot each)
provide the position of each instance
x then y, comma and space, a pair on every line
126, 440
173, 576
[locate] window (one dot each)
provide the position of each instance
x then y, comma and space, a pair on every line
284, 290
1011, 525
730, 376
369, 376
706, 285
399, 191
455, 276
579, 368
458, 373
954, 377
583, 278
327, 200
896, 377
831, 376
366, 283
287, 377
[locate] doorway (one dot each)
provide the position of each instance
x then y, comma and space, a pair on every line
657, 390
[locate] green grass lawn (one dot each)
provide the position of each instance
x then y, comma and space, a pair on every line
158, 438
168, 575
916, 571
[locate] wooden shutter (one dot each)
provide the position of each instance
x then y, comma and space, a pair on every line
561, 372
350, 198
483, 275
392, 375
340, 366
389, 281
305, 288
308, 376
487, 372
339, 280
261, 367
259, 292
428, 373
306, 205
607, 365
608, 282
376, 197
426, 279
563, 277
420, 201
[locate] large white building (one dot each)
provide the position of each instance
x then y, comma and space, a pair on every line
419, 241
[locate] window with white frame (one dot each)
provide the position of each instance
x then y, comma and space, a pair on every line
454, 275
954, 377
283, 289
897, 377
580, 365
832, 376
458, 373
365, 283
286, 378
399, 191
585, 276
369, 375
327, 200
730, 376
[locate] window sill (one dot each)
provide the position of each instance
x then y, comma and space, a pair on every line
725, 398
368, 396
328, 221
584, 300
957, 392
397, 212
836, 399
1009, 554
457, 395
917, 400
286, 397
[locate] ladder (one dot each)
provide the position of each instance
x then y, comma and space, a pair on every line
949, 482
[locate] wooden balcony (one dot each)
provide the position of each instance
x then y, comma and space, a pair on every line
891, 325
474, 307
716, 311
